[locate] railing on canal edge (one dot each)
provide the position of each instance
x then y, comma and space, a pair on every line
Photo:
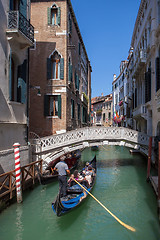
8, 179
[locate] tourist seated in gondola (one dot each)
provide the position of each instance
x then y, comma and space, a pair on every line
89, 174
76, 175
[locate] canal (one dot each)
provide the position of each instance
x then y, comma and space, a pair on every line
120, 185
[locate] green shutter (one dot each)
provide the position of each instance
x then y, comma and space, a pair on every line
46, 105
49, 15
59, 106
62, 68
49, 62
59, 16
70, 73
11, 4
23, 7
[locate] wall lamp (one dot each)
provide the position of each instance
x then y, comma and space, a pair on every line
37, 88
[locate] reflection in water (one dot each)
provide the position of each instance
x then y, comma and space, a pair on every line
19, 223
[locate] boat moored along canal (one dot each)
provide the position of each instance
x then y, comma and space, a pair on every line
48, 176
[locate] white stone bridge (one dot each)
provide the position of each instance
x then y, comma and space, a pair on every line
51, 147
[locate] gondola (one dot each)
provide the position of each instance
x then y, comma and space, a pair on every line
48, 176
75, 194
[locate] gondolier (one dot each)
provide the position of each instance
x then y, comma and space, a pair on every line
62, 169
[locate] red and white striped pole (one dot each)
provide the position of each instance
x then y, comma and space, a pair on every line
18, 172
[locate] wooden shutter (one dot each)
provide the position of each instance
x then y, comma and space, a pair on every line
59, 16
70, 72
59, 106
157, 74
49, 15
62, 68
46, 105
23, 7
49, 67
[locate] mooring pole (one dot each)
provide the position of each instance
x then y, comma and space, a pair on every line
159, 179
18, 172
149, 158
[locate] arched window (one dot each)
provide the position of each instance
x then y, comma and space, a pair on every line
55, 66
54, 15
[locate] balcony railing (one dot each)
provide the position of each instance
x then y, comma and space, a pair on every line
140, 111
139, 62
16, 21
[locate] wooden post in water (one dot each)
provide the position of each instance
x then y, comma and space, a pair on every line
149, 158
159, 180
18, 172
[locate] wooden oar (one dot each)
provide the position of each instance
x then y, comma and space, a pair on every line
118, 220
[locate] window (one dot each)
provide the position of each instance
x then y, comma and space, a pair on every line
52, 105
55, 66
54, 15
76, 78
17, 80
69, 24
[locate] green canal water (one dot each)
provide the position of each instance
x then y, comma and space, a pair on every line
120, 185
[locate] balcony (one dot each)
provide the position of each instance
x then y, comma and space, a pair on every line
140, 112
84, 99
140, 62
19, 29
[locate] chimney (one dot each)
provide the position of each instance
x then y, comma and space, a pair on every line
114, 77
102, 94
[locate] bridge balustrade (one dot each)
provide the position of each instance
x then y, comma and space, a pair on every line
109, 135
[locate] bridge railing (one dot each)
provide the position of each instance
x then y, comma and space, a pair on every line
92, 134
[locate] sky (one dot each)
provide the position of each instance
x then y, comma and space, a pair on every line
106, 27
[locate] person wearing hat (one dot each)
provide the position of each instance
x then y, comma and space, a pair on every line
62, 169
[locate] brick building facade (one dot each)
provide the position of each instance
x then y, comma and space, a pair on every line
60, 70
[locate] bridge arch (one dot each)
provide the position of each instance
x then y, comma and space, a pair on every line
51, 147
